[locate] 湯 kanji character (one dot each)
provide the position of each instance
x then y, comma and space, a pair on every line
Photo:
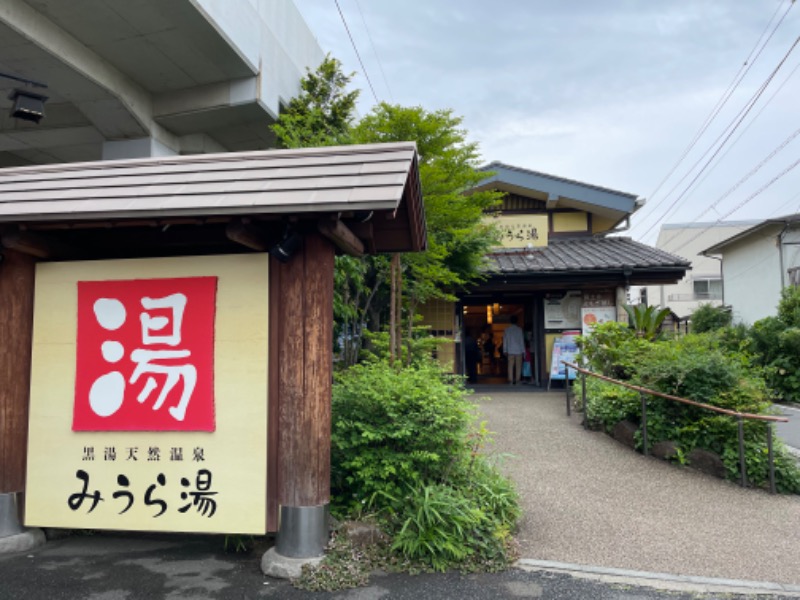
202, 498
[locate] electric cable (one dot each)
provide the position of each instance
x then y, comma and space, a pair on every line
730, 131
740, 74
374, 51
353, 43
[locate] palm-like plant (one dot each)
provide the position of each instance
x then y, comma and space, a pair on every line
646, 320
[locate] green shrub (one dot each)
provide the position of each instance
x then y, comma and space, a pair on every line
714, 369
707, 317
613, 349
607, 404
789, 306
698, 367
406, 448
394, 427
421, 345
441, 525
764, 336
777, 346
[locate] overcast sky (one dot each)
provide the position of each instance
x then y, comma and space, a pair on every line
608, 93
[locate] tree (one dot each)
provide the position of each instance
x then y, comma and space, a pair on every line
458, 236
708, 317
323, 112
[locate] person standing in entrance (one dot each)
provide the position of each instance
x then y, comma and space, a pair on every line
514, 348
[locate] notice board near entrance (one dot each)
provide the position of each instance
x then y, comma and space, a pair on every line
564, 349
148, 403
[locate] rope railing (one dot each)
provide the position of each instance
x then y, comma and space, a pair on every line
645, 392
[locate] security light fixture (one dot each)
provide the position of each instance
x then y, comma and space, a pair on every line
284, 249
27, 105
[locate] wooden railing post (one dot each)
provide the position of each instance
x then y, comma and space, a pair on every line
645, 449
742, 464
566, 387
770, 459
583, 401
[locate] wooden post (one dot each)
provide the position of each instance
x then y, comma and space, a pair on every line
17, 277
303, 363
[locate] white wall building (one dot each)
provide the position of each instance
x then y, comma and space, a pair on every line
703, 283
756, 266
129, 79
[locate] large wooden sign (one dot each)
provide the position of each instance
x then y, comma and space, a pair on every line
149, 395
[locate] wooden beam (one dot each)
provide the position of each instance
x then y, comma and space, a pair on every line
302, 359
17, 274
35, 244
365, 232
341, 235
247, 235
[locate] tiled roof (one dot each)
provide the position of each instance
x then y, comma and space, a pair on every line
583, 254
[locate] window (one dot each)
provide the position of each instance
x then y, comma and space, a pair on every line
707, 289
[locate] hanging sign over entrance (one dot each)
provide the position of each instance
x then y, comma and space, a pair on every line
149, 395
522, 231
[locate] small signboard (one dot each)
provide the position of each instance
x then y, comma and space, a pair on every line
564, 349
590, 317
149, 395
563, 311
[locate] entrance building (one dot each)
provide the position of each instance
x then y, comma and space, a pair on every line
560, 269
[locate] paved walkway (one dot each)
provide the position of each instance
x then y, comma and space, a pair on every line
591, 501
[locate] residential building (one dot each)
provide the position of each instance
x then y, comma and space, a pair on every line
757, 264
702, 284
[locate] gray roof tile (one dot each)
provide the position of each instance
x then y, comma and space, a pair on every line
583, 254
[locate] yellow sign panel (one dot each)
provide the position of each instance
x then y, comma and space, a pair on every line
521, 231
210, 479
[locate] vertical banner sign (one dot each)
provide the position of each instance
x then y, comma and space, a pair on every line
564, 349
149, 395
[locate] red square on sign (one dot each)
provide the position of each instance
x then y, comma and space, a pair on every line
145, 355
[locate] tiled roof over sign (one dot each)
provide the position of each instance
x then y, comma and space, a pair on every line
583, 254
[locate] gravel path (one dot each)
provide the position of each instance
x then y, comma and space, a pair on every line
589, 500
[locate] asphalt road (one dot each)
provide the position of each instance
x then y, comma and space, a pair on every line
790, 432
181, 567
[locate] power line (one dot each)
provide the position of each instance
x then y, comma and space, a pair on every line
363, 68
374, 51
753, 120
738, 184
730, 131
747, 200
743, 70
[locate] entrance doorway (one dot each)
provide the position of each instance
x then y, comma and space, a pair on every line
484, 326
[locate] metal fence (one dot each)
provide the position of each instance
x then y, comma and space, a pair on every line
644, 393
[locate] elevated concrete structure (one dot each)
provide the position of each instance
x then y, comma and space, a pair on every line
136, 78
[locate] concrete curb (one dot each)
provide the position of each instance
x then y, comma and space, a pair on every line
22, 542
662, 581
284, 567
